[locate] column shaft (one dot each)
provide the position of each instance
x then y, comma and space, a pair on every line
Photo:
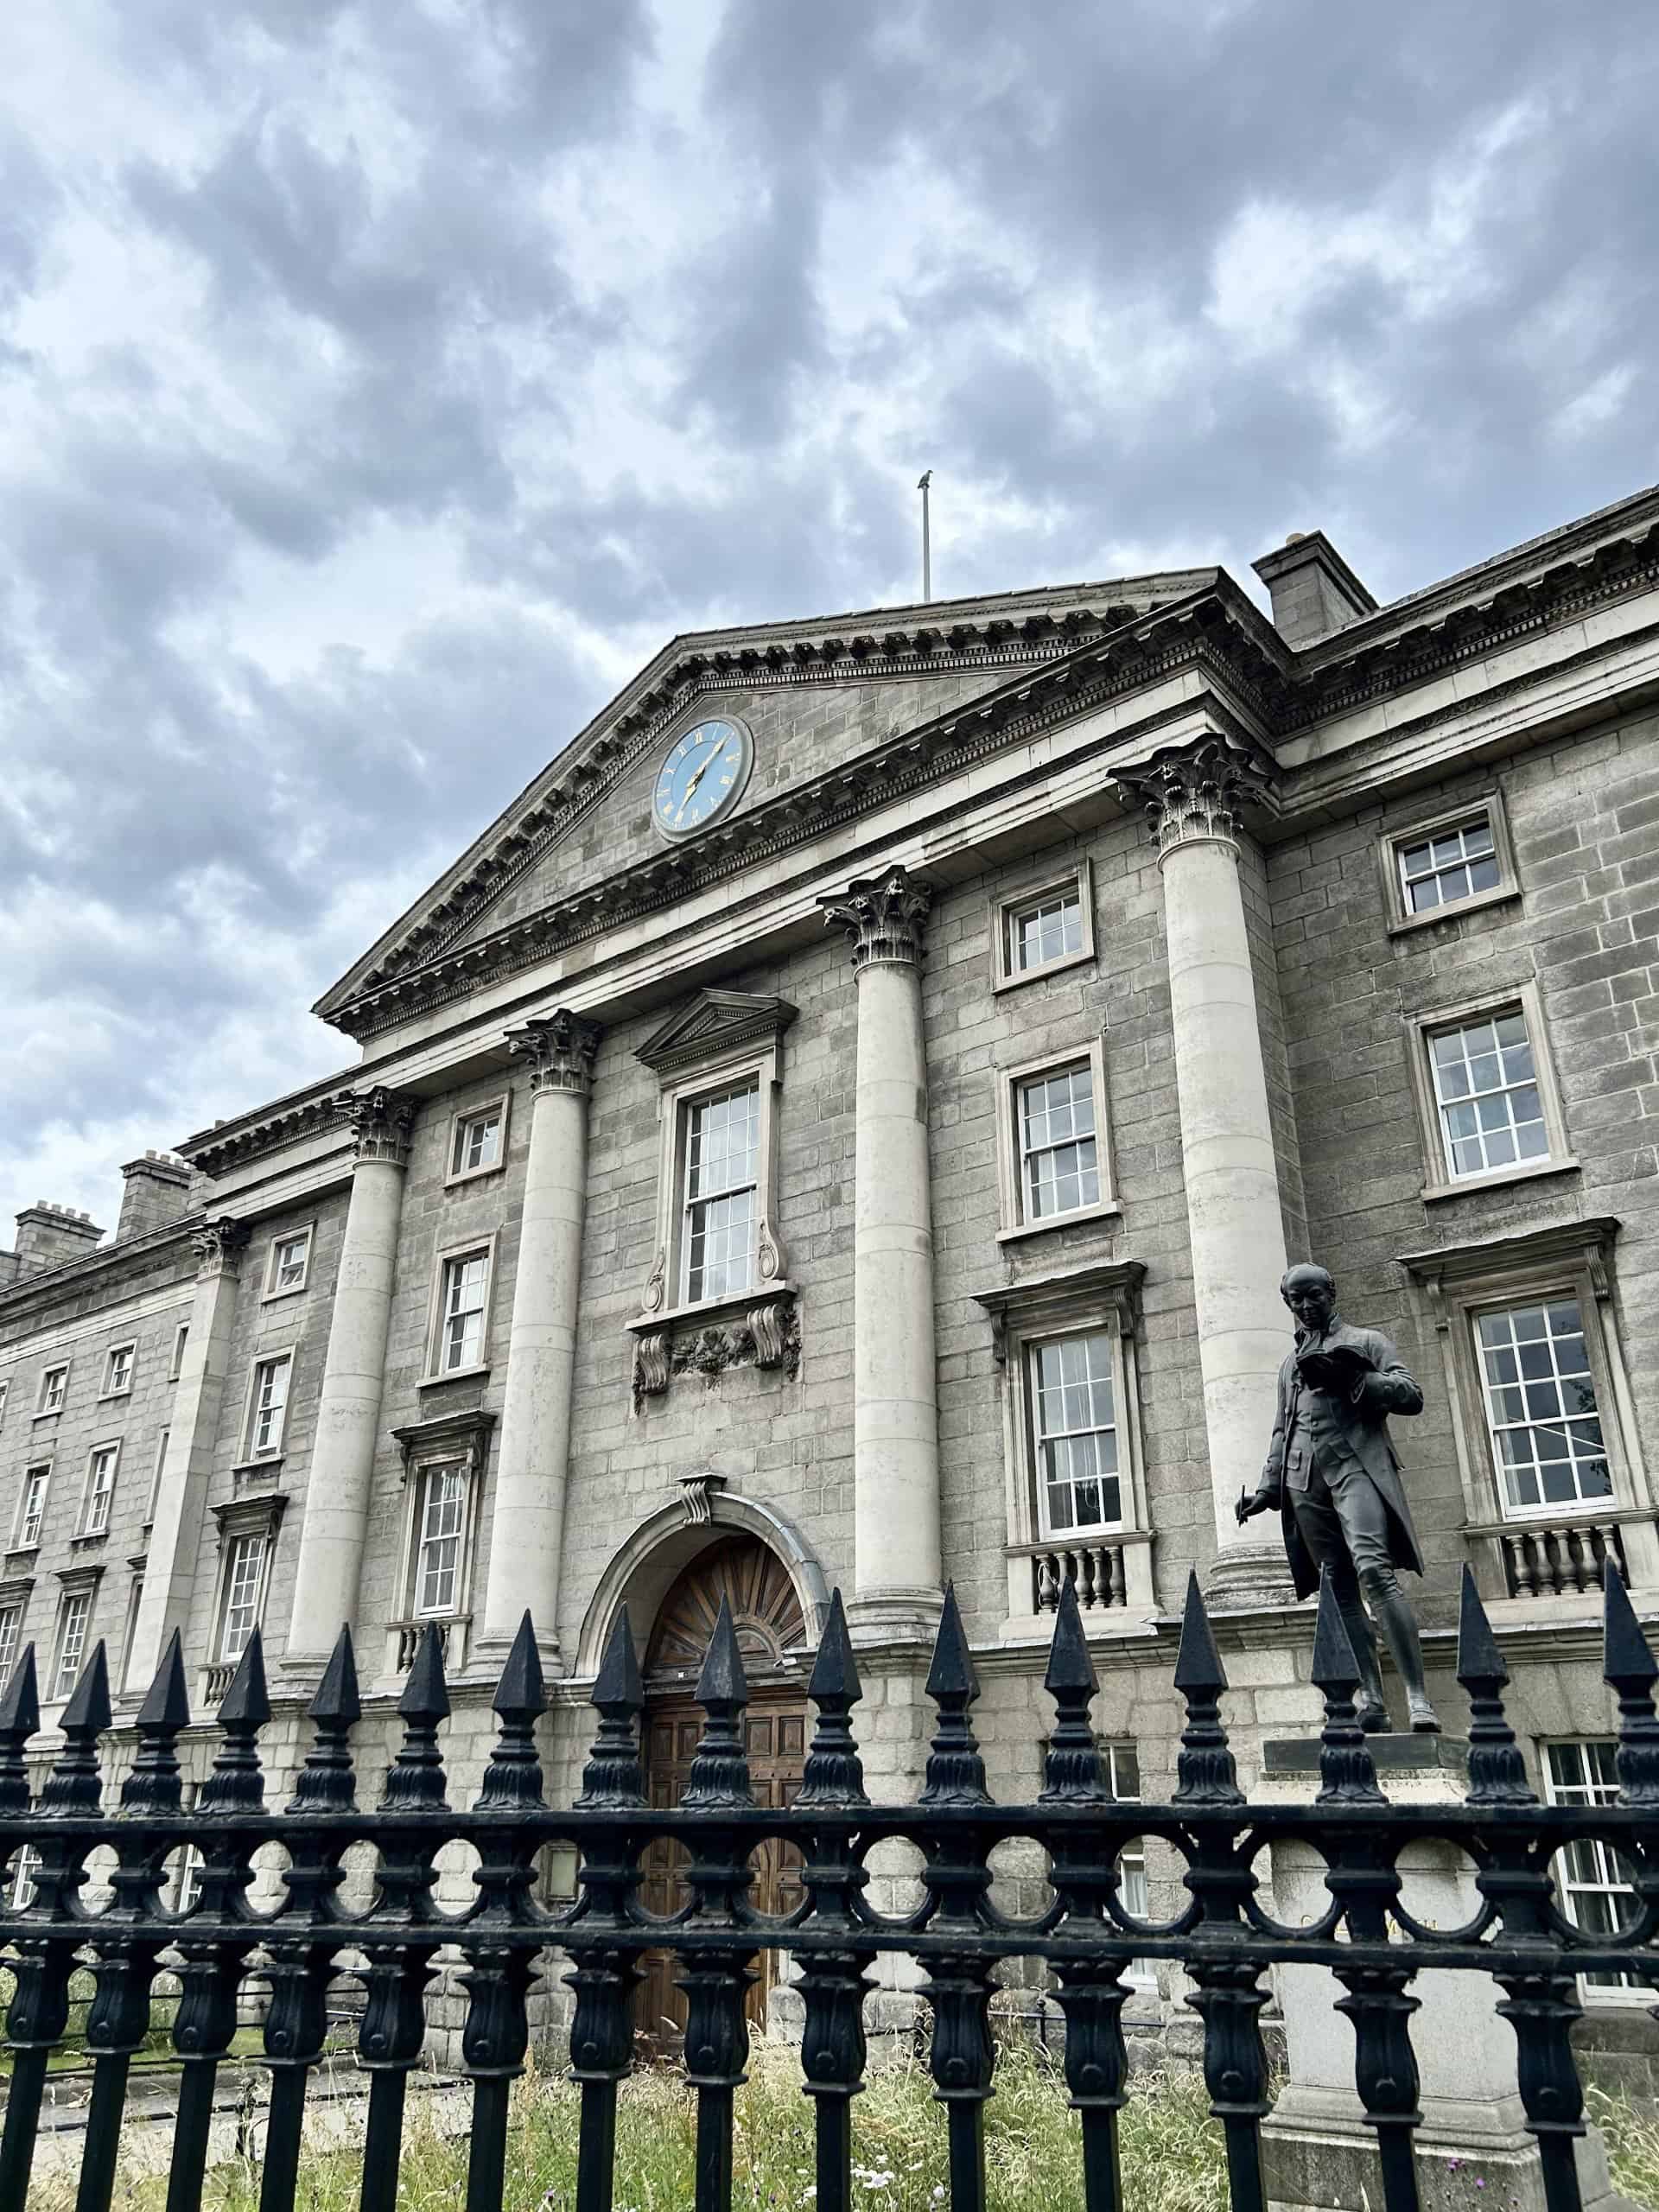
337, 1490
1234, 1219
527, 1522
182, 1496
895, 1419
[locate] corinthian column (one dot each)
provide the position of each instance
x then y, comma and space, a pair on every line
1235, 1228
527, 1523
348, 1411
181, 1497
895, 1416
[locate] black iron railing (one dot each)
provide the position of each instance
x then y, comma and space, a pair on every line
1224, 1937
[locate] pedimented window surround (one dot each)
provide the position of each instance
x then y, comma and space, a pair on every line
1542, 1555
1111, 1566
716, 1043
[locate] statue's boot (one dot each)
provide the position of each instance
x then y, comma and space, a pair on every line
1371, 1706
1395, 1617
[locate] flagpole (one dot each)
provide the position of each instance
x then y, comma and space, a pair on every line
927, 550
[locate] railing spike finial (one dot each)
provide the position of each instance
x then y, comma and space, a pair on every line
414, 1781
1498, 1773
155, 1784
834, 1774
1347, 1773
613, 1777
513, 1780
956, 1772
19, 1719
1205, 1774
325, 1782
718, 1773
1071, 1770
74, 1784
237, 1782
1629, 1668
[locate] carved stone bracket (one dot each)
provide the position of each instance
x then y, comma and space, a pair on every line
761, 1329
381, 1122
218, 1246
1194, 795
884, 916
560, 1048
698, 1490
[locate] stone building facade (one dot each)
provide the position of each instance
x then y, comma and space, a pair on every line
844, 1125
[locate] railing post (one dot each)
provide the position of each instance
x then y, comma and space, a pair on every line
494, 2043
204, 2028
389, 2041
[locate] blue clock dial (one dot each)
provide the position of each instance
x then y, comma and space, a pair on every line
703, 776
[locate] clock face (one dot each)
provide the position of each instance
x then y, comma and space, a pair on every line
702, 777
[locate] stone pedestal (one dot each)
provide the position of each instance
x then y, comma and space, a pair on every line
1318, 2152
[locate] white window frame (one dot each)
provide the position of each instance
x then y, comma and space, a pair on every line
1032, 1348
43, 1411
1094, 1299
1140, 1974
422, 1480
452, 1441
276, 1355
235, 1547
67, 1603
13, 1611
698, 1069
446, 1256
176, 1365
274, 1289
21, 1889
111, 1389
742, 1086
163, 1438
460, 1122
1415, 830
1011, 1182
110, 1449
1603, 1790
260, 1516
1571, 1259
19, 1543
1576, 1507
1440, 1181
6, 1395
1075, 877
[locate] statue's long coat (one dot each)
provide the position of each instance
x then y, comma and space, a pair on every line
1388, 1389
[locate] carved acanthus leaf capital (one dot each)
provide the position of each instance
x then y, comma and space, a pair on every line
381, 1122
1194, 795
884, 916
218, 1246
559, 1048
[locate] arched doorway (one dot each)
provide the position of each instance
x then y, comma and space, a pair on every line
772, 1635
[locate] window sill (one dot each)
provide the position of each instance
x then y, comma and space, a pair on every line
1107, 1210
276, 1297
1433, 1193
24, 1551
87, 1538
47, 1413
731, 1308
107, 1397
269, 1464
474, 1175
453, 1374
1403, 924
1049, 968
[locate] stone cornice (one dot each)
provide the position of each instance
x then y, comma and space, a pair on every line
290, 1121
1011, 629
133, 1255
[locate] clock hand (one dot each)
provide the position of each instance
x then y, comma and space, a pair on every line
697, 776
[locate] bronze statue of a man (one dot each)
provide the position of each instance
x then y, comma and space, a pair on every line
1332, 1477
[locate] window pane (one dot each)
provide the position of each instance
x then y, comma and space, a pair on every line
437, 1566
243, 1579
722, 1141
1047, 930
1447, 867
465, 1282
1486, 1090
1059, 1161
71, 1643
1076, 1437
1544, 1459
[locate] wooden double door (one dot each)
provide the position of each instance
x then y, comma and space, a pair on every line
770, 1630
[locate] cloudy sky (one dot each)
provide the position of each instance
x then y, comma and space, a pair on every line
381, 383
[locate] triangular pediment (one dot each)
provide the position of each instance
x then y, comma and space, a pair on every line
711, 1024
579, 817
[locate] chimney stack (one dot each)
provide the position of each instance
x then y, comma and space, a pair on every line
157, 1192
1313, 590
49, 1235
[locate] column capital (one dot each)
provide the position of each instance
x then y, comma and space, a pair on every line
1192, 793
560, 1048
884, 916
381, 1121
219, 1245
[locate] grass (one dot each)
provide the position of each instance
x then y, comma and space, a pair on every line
1170, 2149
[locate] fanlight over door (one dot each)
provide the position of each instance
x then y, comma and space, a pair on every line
766, 1610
